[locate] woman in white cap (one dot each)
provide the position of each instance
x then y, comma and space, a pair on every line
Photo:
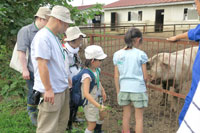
73, 42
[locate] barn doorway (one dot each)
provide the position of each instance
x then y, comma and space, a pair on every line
113, 20
159, 20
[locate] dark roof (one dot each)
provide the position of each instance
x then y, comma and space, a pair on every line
125, 3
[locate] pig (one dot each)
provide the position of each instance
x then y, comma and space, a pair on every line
169, 69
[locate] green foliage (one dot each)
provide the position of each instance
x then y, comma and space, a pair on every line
119, 122
11, 82
14, 117
17, 13
80, 109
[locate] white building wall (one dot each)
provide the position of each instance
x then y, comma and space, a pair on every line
172, 15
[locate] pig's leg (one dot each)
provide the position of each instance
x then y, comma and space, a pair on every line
166, 85
175, 99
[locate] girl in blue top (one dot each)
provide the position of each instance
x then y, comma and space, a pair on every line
130, 79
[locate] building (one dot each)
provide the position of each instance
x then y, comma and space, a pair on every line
98, 19
150, 12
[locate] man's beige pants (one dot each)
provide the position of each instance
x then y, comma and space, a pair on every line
54, 118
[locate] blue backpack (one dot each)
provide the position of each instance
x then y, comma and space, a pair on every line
76, 94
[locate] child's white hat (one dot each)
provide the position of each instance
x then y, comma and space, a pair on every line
94, 52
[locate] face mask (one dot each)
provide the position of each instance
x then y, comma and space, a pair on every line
70, 49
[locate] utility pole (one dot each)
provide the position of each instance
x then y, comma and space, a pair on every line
82, 2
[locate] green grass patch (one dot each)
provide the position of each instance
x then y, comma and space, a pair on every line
14, 117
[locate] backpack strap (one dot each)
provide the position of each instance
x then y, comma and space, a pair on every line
92, 83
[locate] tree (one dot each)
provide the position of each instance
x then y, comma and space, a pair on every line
16, 13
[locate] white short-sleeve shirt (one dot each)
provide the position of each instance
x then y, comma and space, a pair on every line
47, 46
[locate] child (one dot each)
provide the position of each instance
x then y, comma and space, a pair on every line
130, 76
94, 55
71, 47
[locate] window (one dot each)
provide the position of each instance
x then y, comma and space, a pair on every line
185, 14
192, 14
97, 18
129, 16
134, 16
139, 15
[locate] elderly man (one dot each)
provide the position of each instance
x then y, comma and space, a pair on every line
24, 39
51, 78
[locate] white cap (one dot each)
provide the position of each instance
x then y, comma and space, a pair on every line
73, 33
43, 12
61, 13
94, 52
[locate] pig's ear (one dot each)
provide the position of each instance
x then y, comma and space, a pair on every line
165, 61
166, 66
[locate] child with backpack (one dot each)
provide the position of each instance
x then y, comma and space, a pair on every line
92, 91
130, 76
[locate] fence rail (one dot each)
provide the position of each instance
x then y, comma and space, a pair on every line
121, 29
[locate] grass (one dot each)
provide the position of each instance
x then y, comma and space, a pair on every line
14, 117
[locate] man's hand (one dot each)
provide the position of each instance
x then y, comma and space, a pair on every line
23, 61
49, 96
69, 82
172, 39
44, 75
26, 74
178, 37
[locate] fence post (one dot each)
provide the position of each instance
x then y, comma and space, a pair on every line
91, 39
104, 29
144, 28
100, 29
174, 29
93, 28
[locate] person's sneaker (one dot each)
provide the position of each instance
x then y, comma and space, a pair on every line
33, 117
